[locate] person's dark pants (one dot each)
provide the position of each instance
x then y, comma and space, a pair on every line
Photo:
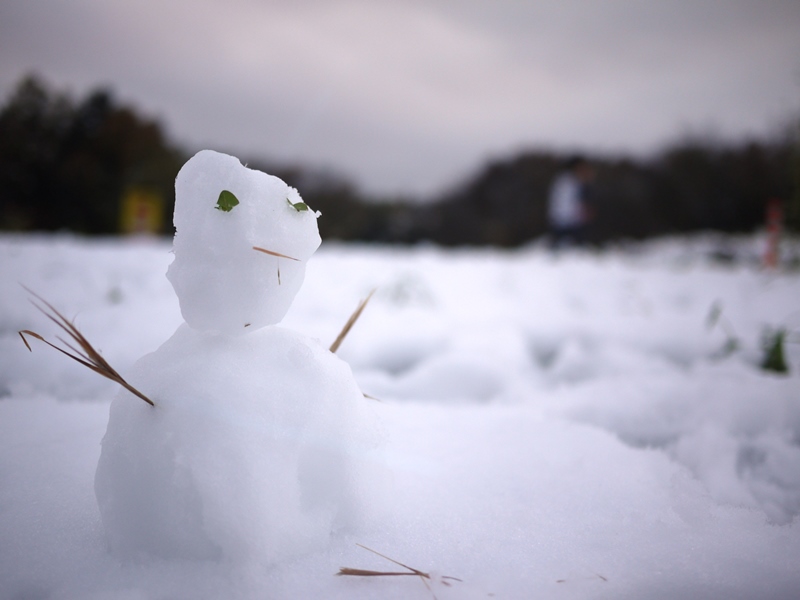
565, 237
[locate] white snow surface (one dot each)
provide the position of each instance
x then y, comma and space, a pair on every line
553, 426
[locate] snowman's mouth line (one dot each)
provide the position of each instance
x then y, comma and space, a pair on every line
272, 253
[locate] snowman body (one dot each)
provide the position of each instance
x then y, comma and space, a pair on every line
252, 449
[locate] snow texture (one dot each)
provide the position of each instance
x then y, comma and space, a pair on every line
555, 426
248, 454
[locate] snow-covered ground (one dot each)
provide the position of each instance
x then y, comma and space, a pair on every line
553, 426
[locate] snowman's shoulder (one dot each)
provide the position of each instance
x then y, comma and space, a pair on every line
291, 340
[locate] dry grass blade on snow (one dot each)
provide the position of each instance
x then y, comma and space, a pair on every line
366, 573
350, 322
278, 254
87, 355
347, 571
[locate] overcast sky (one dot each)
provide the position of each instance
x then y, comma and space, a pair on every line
411, 96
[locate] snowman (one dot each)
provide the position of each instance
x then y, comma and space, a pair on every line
255, 444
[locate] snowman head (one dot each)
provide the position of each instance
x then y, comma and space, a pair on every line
241, 243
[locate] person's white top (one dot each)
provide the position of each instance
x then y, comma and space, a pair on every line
564, 204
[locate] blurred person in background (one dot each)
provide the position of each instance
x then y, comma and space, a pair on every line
568, 210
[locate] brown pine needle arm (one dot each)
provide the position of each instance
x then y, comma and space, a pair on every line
350, 322
86, 355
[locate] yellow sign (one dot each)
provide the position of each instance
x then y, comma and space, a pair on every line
142, 212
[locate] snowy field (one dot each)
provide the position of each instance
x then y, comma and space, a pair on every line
552, 427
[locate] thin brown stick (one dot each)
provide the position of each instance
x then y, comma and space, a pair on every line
350, 322
398, 563
272, 253
412, 572
366, 573
87, 355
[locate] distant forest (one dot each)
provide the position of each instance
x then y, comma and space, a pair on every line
65, 164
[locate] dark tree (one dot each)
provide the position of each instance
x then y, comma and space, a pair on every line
65, 165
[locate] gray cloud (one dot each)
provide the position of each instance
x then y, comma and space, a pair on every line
410, 96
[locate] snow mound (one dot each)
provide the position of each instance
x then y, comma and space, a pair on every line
234, 461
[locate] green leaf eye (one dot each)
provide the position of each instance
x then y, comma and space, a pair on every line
299, 206
226, 201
